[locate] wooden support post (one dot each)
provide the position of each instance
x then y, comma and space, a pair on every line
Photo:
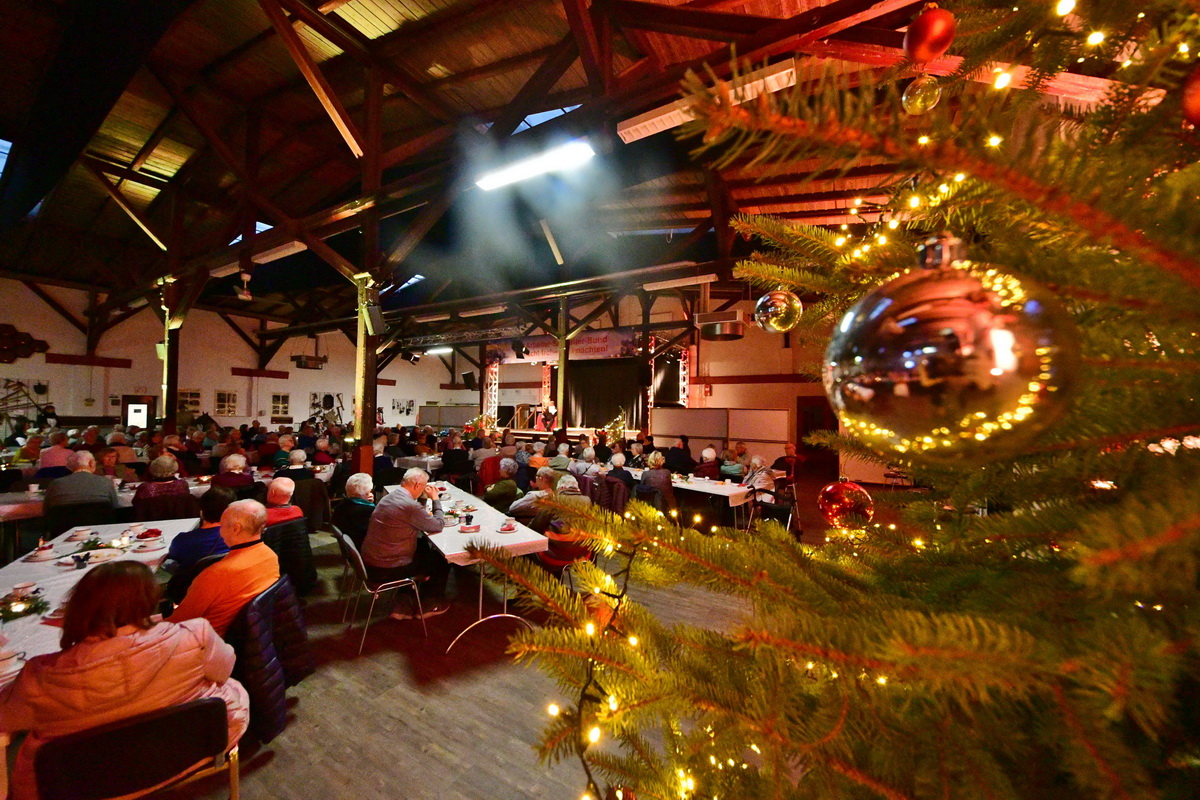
364, 378
647, 301
171, 380
372, 169
564, 347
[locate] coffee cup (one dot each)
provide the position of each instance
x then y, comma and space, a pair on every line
138, 527
23, 589
33, 487
467, 519
510, 521
728, 481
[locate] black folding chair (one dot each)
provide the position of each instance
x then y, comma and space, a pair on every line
181, 581
60, 519
648, 494
174, 745
777, 507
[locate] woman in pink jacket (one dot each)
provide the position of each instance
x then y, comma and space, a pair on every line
117, 661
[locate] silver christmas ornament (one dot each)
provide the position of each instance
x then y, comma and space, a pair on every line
962, 364
778, 311
922, 95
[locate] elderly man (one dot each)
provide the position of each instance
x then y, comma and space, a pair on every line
504, 492
743, 454
219, 592
544, 481
279, 501
296, 468
286, 444
118, 442
567, 493
395, 549
483, 452
789, 462
679, 457
57, 453
82, 485
562, 461
353, 515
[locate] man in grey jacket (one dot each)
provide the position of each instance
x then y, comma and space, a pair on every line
83, 485
395, 549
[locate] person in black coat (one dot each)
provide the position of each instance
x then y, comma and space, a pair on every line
619, 472
353, 515
679, 459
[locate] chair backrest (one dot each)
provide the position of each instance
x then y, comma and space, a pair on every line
350, 554
489, 471
181, 581
97, 763
60, 519
648, 494
252, 491
618, 494
388, 476
313, 499
290, 542
169, 506
585, 484
50, 473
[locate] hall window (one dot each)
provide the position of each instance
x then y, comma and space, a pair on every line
192, 398
226, 404
280, 405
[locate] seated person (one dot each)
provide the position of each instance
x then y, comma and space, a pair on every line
759, 476
382, 460
731, 467
18, 436
456, 460
30, 452
321, 454
537, 458
583, 443
295, 468
116, 662
604, 453
485, 451
234, 473
279, 458
190, 546
619, 472
659, 477
353, 515
636, 458
125, 453
504, 492
742, 453
219, 592
83, 485
267, 448
279, 502
585, 464
395, 547
789, 462
543, 481
57, 453
508, 448
394, 449
163, 480
562, 461
567, 493
108, 466
708, 466
679, 457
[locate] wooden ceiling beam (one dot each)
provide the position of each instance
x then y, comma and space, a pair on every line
519, 61
123, 203
124, 173
584, 33
681, 21
56, 306
312, 73
156, 137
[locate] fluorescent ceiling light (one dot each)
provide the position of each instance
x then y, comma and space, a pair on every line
556, 159
747, 87
432, 318
439, 351
483, 312
679, 283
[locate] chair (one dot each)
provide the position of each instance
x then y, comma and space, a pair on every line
585, 484
173, 746
290, 542
252, 491
777, 508
618, 494
168, 506
271, 642
60, 519
181, 581
49, 474
389, 476
489, 471
648, 494
564, 549
313, 499
360, 581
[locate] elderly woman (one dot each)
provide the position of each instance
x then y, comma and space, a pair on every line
234, 473
760, 476
538, 458
195, 441
508, 448
585, 464
107, 465
353, 515
30, 452
731, 467
116, 662
635, 458
120, 444
657, 476
163, 480
562, 461
321, 454
296, 468
504, 492
708, 466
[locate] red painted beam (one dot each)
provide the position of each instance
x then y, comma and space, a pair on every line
384, 382
88, 361
243, 372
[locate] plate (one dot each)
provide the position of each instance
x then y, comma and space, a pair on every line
150, 547
469, 528
41, 555
10, 668
508, 528
98, 557
152, 538
57, 613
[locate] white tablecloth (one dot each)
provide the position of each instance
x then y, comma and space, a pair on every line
453, 544
430, 464
737, 494
29, 633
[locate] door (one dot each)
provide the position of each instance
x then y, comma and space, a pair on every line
138, 409
814, 414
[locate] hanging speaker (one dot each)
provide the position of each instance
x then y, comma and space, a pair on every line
468, 379
374, 320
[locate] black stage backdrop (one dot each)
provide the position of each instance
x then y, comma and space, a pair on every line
599, 390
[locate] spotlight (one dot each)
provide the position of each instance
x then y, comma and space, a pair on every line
557, 159
410, 356
519, 348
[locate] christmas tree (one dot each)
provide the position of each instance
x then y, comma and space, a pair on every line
1046, 649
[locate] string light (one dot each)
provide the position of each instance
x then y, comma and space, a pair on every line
839, 241
922, 140
633, 641
914, 201
994, 141
959, 178
594, 734
612, 702
696, 518
881, 680
1064, 7
1003, 79
1183, 48
845, 227
553, 709
944, 188
1095, 38
893, 223
589, 629
918, 543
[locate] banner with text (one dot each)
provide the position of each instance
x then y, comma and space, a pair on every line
613, 343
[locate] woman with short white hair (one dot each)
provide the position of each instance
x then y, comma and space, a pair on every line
759, 476
163, 482
586, 463
233, 472
636, 459
353, 515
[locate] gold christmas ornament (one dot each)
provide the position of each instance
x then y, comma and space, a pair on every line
922, 95
962, 364
778, 311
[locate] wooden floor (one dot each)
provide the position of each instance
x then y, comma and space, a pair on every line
407, 721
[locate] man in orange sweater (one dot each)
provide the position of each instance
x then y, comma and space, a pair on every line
219, 592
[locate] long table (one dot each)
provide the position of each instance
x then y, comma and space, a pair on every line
430, 464
737, 494
452, 543
33, 636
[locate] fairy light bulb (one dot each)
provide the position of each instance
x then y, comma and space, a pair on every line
553, 709
914, 201
893, 223
612, 702
1183, 48
1095, 37
994, 141
1003, 79
959, 178
881, 680
1064, 7
922, 140
594, 734
839, 241
633, 641
589, 629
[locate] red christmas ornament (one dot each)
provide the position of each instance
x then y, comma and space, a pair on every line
1191, 97
844, 501
929, 35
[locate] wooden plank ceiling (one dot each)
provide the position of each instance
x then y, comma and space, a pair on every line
247, 111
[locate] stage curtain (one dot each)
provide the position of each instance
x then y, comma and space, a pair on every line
598, 390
